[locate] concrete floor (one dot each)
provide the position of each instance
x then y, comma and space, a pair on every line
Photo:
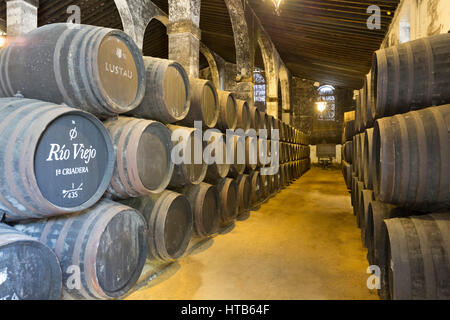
301, 244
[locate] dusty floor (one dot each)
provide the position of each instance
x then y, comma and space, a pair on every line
301, 244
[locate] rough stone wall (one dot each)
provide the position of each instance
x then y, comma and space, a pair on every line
304, 97
425, 17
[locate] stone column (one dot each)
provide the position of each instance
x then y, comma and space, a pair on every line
286, 117
272, 106
22, 17
184, 34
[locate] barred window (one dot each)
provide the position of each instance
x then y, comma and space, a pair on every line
260, 89
326, 95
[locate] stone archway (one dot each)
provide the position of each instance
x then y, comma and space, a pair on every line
204, 50
284, 82
271, 73
241, 39
136, 15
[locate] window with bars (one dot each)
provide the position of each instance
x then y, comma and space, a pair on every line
327, 95
260, 89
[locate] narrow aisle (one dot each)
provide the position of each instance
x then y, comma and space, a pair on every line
301, 244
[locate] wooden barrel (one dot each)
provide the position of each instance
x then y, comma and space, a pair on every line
347, 173
218, 168
367, 111
358, 112
418, 257
361, 156
251, 153
268, 122
102, 250
412, 153
204, 201
411, 76
358, 196
348, 151
376, 236
204, 104
368, 159
367, 197
255, 180
170, 223
190, 167
29, 270
282, 127
244, 192
263, 152
228, 199
143, 157
228, 115
349, 130
55, 159
353, 191
265, 187
95, 69
236, 155
243, 115
167, 95
255, 120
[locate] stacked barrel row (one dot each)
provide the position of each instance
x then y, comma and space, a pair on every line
103, 164
400, 182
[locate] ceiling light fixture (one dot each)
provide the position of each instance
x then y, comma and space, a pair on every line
321, 106
277, 4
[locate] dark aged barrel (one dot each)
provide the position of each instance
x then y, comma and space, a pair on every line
204, 201
255, 180
365, 200
228, 111
348, 151
143, 157
95, 69
244, 192
412, 153
236, 155
368, 159
349, 130
218, 168
367, 112
411, 76
361, 156
204, 104
102, 250
228, 199
167, 95
265, 192
268, 123
376, 236
418, 257
251, 153
347, 173
190, 167
170, 222
243, 115
29, 270
55, 160
255, 119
